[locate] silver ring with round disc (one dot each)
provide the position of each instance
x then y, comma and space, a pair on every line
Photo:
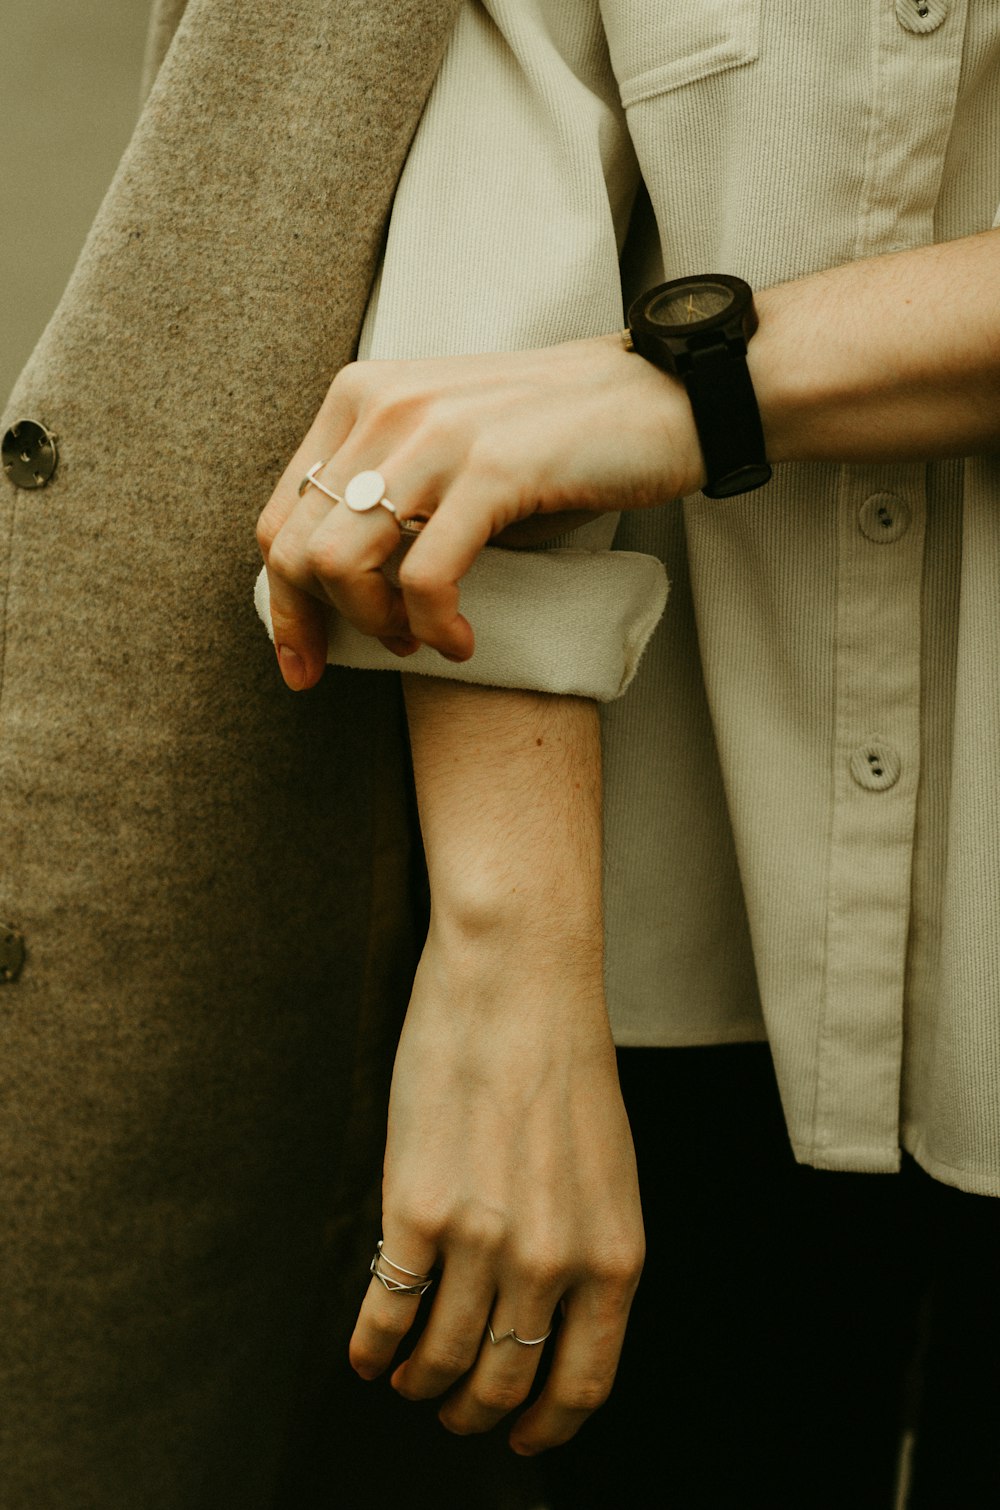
366, 490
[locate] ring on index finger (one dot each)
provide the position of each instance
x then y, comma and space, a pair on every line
421, 1282
311, 480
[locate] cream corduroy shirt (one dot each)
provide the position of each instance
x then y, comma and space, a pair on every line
802, 782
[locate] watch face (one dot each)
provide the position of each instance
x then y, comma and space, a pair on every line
687, 306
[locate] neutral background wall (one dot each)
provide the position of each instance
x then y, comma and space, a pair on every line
68, 101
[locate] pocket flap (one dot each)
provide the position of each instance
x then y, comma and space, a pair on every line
658, 45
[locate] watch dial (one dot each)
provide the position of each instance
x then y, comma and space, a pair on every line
686, 306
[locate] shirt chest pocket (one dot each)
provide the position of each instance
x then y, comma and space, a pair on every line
659, 45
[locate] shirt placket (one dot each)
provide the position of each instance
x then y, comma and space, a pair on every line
915, 62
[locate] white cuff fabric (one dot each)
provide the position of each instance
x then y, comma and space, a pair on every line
534, 613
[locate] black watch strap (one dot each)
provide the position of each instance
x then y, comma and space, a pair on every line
727, 420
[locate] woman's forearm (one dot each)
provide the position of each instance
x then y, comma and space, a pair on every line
509, 1163
509, 792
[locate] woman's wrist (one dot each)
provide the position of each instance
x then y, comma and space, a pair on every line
499, 935
508, 988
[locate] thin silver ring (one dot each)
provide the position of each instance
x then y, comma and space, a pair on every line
387, 1260
513, 1337
310, 480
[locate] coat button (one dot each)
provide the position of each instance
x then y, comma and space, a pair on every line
29, 454
11, 953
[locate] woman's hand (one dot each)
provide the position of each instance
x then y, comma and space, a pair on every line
475, 445
509, 1166
509, 1161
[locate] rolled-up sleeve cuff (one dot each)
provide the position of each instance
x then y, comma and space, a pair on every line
534, 616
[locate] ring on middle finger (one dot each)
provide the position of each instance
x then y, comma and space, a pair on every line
366, 490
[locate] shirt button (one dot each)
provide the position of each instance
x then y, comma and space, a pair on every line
11, 953
883, 518
29, 454
921, 15
876, 766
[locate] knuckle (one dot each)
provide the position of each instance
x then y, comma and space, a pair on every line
398, 408
450, 1357
282, 561
497, 1396
619, 1282
325, 560
488, 459
434, 428
618, 1269
425, 1218
418, 577
482, 1229
383, 402
268, 526
543, 1268
585, 1394
370, 1347
395, 398
348, 382
383, 1334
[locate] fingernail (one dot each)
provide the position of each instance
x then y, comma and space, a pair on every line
400, 645
293, 667
523, 1449
458, 659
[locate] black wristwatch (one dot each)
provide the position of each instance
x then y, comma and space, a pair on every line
698, 328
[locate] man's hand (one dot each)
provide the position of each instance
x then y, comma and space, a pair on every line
477, 445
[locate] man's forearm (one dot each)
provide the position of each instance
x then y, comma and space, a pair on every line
509, 790
892, 359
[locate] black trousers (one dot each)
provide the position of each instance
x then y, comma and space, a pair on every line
791, 1322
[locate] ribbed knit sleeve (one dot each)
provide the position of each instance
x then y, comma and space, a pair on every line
505, 233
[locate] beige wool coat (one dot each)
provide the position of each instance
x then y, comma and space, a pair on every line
211, 877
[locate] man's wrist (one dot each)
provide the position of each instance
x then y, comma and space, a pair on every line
889, 359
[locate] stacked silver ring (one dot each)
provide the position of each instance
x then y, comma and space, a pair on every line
421, 1282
